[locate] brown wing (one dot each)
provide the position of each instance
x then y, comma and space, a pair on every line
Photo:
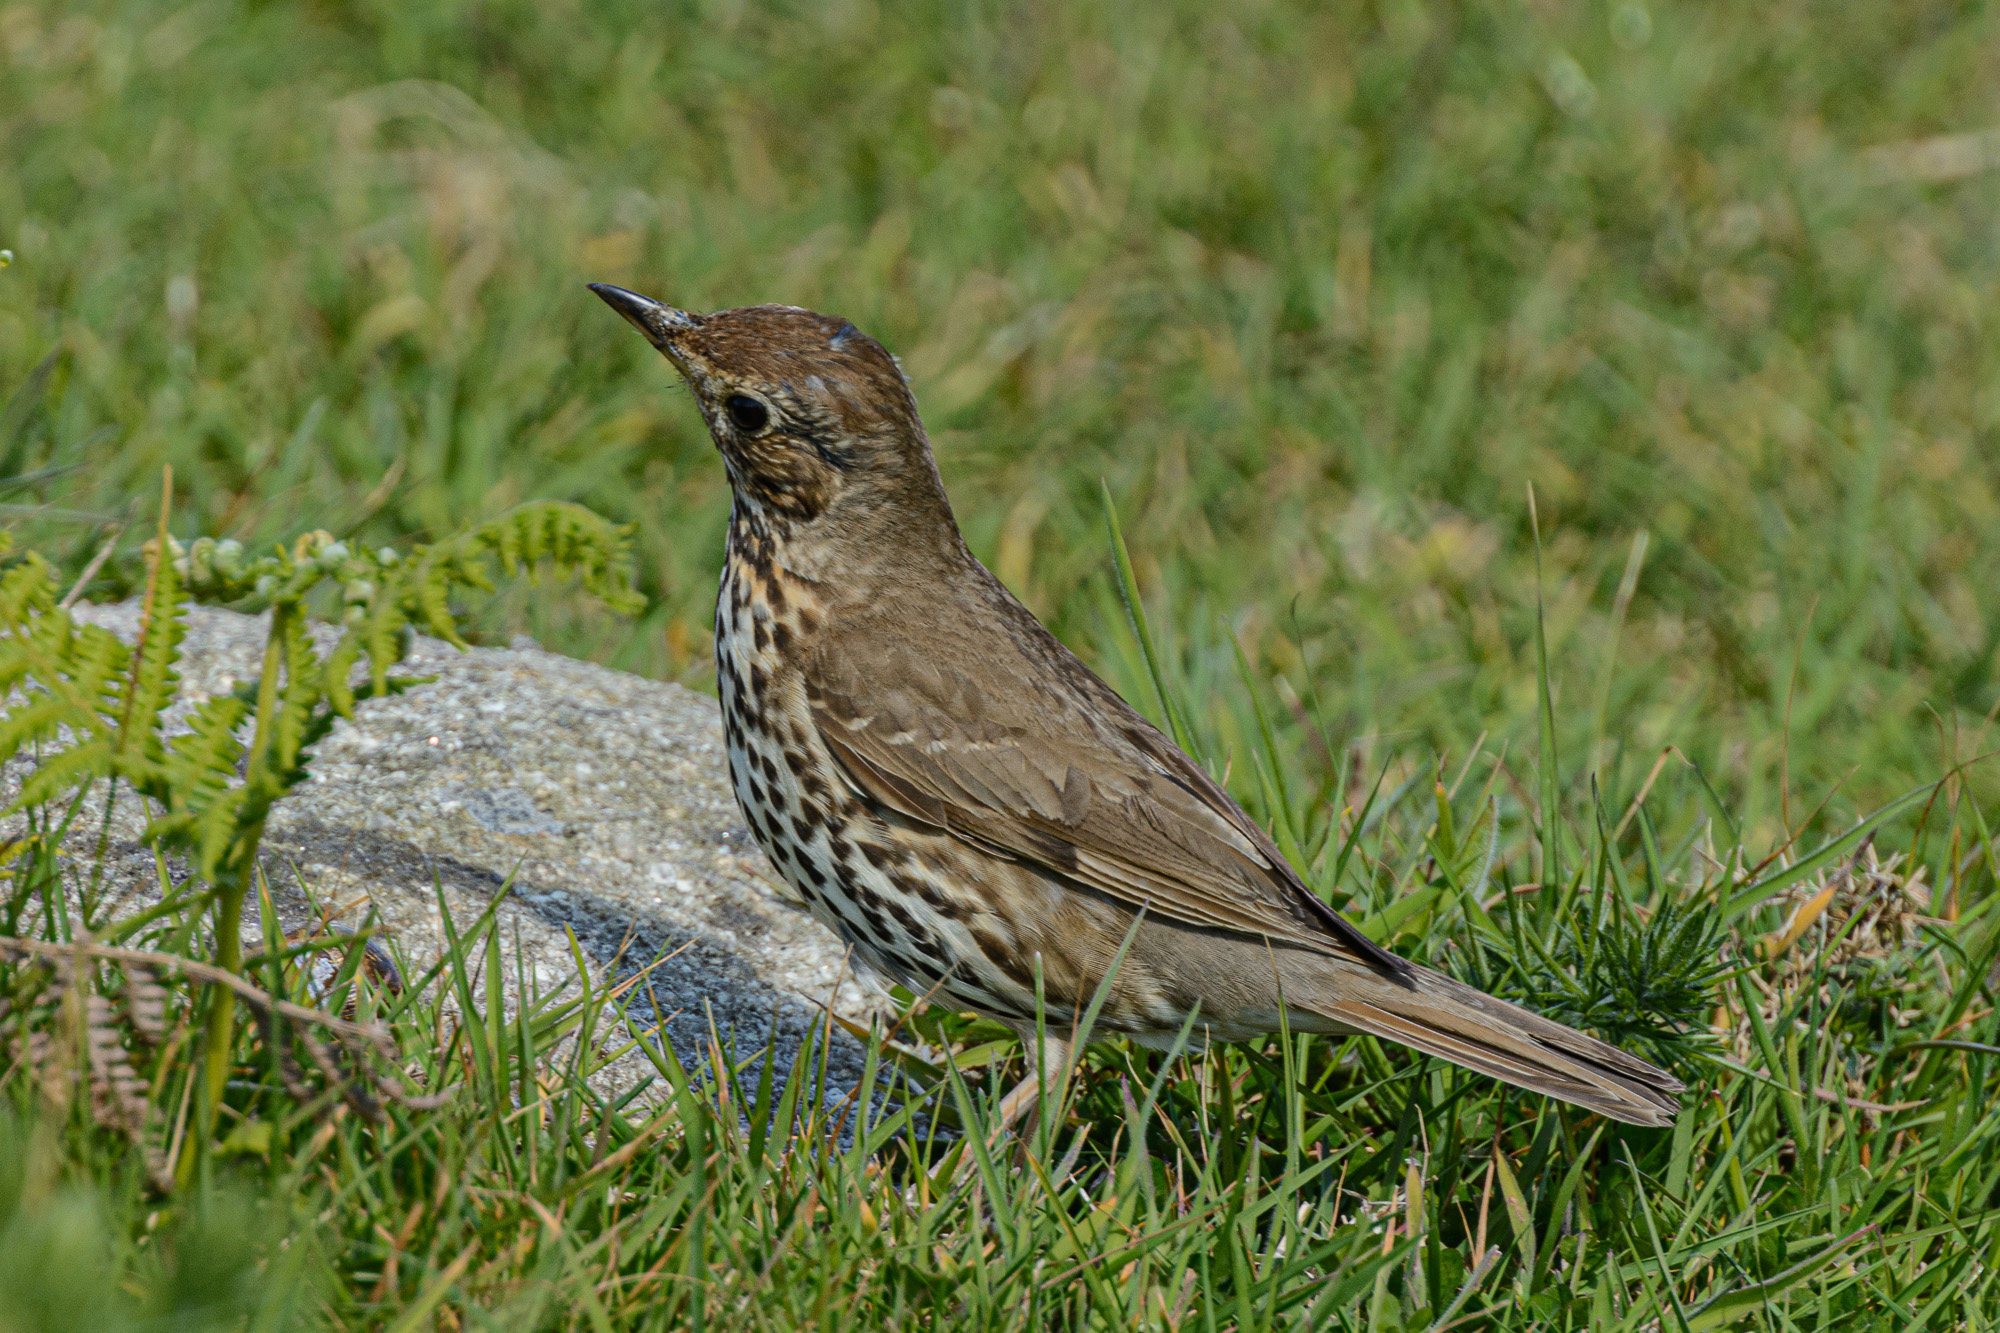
1033, 757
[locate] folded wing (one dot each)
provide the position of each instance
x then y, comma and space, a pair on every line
1069, 777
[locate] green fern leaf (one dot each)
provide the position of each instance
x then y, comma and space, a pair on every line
303, 678
339, 667
62, 676
37, 720
63, 772
151, 682
27, 588
200, 765
431, 597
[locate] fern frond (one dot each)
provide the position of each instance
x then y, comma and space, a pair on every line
38, 719
65, 771
428, 597
61, 677
568, 539
387, 594
26, 588
304, 676
151, 682
339, 668
387, 640
95, 660
76, 665
200, 765
207, 834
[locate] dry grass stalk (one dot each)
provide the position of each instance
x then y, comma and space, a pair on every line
358, 1067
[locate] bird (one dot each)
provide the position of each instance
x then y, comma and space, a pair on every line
974, 812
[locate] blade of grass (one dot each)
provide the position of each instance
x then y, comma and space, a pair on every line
1135, 609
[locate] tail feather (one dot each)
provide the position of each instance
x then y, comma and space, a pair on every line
1432, 1013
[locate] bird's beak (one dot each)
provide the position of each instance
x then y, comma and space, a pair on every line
658, 322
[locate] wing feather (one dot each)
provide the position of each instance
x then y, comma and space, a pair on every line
1083, 786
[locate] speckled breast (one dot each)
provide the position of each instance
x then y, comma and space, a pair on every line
818, 834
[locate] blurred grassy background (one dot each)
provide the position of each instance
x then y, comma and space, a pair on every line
1318, 289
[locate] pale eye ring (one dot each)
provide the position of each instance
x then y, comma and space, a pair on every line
746, 413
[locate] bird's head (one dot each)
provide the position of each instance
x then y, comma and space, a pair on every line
814, 420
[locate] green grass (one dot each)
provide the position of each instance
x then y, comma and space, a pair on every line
1319, 293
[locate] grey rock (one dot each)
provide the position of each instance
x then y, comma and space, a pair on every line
504, 810
602, 796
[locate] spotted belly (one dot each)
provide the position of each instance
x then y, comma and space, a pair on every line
893, 908
832, 853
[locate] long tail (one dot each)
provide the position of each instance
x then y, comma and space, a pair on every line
1439, 1016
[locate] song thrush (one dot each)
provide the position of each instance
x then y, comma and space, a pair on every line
958, 796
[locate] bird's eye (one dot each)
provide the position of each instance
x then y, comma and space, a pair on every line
746, 413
